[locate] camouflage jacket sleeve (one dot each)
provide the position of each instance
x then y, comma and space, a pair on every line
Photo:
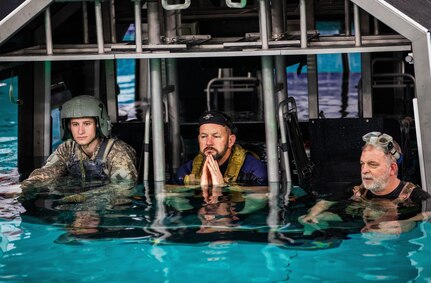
54, 167
121, 162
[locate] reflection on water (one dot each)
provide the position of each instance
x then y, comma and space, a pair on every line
214, 234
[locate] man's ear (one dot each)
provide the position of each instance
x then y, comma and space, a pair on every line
394, 167
232, 139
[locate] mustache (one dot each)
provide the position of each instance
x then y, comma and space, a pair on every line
209, 148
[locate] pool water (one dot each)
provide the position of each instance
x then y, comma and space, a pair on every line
182, 235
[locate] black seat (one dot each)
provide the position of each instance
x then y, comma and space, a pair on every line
133, 134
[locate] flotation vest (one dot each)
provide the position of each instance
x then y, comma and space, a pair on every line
90, 170
360, 192
235, 162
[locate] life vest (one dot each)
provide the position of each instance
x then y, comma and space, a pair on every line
87, 169
360, 192
235, 162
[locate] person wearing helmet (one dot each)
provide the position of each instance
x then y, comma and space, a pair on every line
88, 153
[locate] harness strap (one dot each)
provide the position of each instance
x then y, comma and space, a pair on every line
106, 149
359, 192
405, 192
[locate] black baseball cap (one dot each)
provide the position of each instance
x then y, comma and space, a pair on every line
219, 118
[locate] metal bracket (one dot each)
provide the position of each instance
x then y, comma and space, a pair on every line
183, 6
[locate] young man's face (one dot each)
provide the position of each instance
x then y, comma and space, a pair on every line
376, 169
216, 140
83, 130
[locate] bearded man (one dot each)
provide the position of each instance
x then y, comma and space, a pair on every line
221, 161
380, 159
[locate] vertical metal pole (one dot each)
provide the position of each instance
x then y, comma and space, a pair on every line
111, 95
277, 19
170, 26
173, 99
99, 27
347, 17
278, 31
269, 100
174, 115
356, 14
153, 22
263, 24
138, 26
376, 27
42, 110
303, 22
419, 141
313, 87
157, 121
281, 77
366, 82
85, 21
48, 31
156, 95
113, 22
228, 95
422, 50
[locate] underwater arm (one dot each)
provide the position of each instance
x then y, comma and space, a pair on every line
320, 207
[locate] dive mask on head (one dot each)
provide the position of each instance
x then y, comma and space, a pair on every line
385, 141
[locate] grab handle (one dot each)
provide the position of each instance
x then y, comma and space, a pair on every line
182, 6
231, 4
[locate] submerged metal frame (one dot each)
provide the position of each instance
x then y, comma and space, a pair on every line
267, 49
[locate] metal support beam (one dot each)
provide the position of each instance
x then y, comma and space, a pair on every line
357, 21
85, 21
174, 114
278, 19
157, 121
270, 118
99, 27
422, 49
111, 95
313, 87
138, 26
263, 24
269, 99
25, 12
156, 95
303, 22
347, 17
113, 21
42, 110
48, 32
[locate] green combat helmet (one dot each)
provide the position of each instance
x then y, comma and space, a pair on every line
85, 106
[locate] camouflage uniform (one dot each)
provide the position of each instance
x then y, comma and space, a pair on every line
120, 163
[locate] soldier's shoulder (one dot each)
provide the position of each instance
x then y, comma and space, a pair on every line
120, 145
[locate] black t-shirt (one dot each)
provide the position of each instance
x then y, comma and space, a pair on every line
418, 195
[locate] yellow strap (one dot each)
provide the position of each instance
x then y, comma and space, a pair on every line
235, 162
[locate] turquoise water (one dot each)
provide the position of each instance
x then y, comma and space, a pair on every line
161, 238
